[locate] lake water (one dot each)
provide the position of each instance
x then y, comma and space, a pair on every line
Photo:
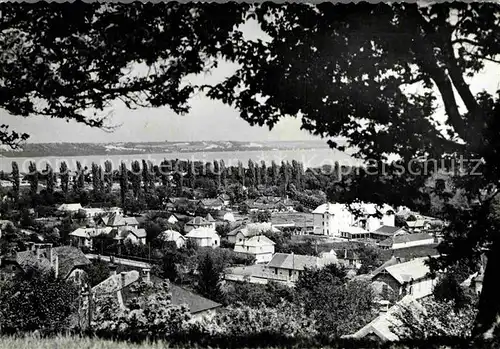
309, 157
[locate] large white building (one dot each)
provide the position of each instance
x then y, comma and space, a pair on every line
332, 219
374, 216
260, 246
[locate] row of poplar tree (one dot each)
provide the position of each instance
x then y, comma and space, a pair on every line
142, 176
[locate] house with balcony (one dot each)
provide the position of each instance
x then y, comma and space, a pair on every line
259, 246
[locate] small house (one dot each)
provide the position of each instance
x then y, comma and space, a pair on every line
70, 208
67, 262
172, 219
400, 279
225, 199
117, 220
418, 225
407, 240
386, 231
289, 266
83, 236
354, 233
381, 328
244, 231
204, 237
211, 204
131, 234
121, 284
174, 236
198, 222
228, 217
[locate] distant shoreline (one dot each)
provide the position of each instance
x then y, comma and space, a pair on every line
36, 150
22, 154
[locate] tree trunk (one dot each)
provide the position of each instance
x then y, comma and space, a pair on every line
488, 317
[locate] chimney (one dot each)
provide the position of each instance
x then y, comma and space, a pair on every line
123, 276
345, 253
146, 275
36, 248
55, 264
112, 268
50, 254
383, 306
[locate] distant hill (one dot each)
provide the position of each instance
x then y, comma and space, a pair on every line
130, 148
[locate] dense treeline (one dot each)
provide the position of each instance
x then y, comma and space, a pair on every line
144, 184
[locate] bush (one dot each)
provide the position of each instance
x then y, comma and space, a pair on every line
149, 315
255, 295
284, 321
97, 272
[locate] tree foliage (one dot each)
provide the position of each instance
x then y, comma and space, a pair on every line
97, 272
434, 319
37, 301
15, 180
338, 307
210, 277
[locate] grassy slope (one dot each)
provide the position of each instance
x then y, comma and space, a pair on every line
70, 343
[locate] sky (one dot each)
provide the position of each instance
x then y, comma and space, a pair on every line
207, 120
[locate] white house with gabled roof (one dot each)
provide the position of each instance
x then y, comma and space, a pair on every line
410, 277
174, 236
70, 208
260, 246
84, 236
204, 237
